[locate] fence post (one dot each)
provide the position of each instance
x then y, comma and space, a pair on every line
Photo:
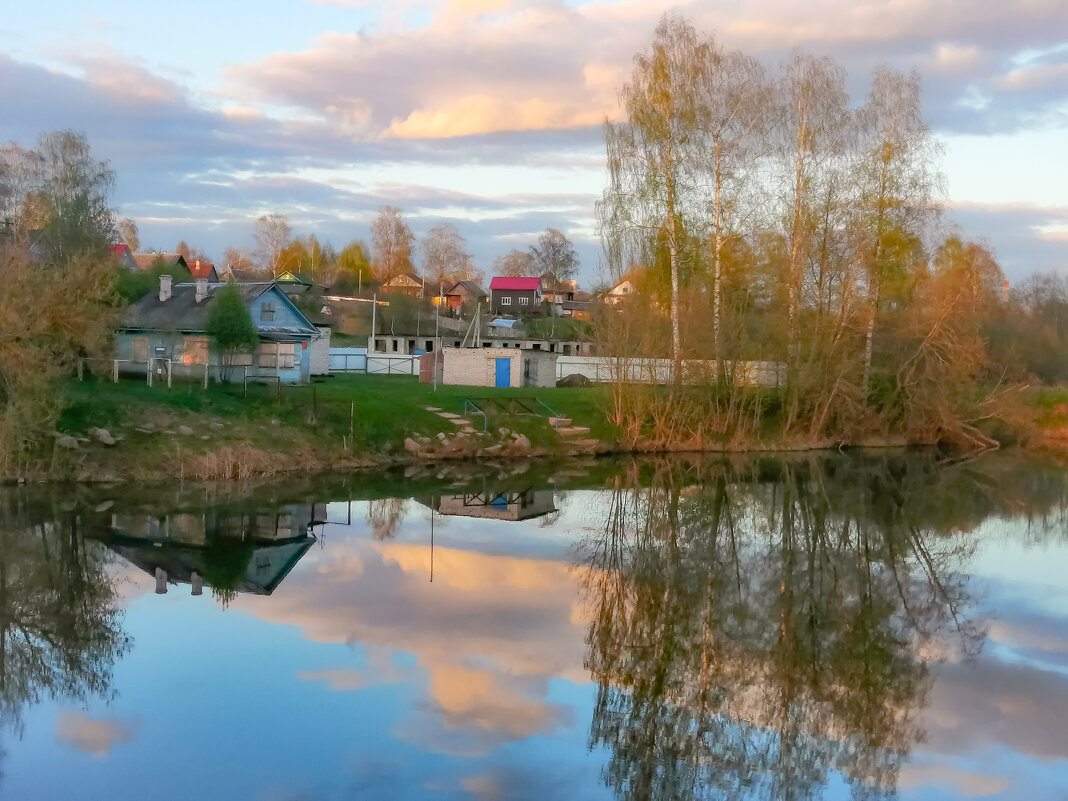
148, 371
206, 373
168, 373
352, 417
115, 371
244, 382
81, 368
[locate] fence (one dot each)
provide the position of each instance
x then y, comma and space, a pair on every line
658, 371
348, 360
392, 365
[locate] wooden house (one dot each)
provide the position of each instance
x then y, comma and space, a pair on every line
514, 296
404, 284
168, 332
464, 294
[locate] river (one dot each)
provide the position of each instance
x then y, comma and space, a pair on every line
887, 625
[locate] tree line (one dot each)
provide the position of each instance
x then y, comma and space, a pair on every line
769, 218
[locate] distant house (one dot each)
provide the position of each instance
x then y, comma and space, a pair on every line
404, 284
168, 330
490, 367
236, 275
295, 283
620, 292
202, 269
463, 293
557, 291
123, 256
515, 296
145, 261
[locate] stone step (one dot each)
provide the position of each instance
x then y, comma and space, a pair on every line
573, 431
559, 421
459, 421
584, 444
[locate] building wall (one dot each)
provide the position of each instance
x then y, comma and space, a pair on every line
539, 369
320, 351
477, 367
515, 307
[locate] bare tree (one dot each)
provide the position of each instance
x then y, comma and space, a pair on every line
273, 233
554, 254
444, 257
516, 263
238, 258
391, 243
129, 233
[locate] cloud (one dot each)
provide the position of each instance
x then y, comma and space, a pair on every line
95, 737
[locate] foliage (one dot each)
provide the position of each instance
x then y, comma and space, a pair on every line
134, 285
230, 326
73, 315
445, 259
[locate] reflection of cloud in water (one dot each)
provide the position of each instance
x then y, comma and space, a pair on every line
471, 711
488, 634
989, 703
95, 737
964, 783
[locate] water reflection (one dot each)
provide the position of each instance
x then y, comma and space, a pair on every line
755, 631
768, 629
247, 552
60, 621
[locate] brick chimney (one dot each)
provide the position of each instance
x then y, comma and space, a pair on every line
202, 289
164, 288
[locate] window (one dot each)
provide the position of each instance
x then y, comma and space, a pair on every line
267, 312
395, 344
429, 345
280, 355
506, 300
524, 301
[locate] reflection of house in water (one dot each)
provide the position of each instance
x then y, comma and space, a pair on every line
250, 553
512, 505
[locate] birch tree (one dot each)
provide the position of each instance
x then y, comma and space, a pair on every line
734, 116
898, 181
273, 233
654, 159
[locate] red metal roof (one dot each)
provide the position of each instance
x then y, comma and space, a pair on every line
514, 284
201, 269
118, 250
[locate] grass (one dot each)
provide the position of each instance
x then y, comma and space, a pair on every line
299, 420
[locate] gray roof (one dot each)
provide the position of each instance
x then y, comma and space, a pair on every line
181, 312
470, 287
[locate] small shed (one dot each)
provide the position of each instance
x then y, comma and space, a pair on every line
482, 367
539, 368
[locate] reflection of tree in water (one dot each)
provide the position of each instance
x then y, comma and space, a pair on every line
753, 633
384, 515
60, 622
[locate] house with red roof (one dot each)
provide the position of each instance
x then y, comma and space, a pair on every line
515, 296
205, 270
123, 256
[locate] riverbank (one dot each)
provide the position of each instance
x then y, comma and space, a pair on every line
130, 431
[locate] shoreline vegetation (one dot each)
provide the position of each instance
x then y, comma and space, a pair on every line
128, 431
759, 215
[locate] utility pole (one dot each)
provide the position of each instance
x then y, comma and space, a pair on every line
374, 309
437, 354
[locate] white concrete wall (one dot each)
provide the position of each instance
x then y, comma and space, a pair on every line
320, 351
658, 371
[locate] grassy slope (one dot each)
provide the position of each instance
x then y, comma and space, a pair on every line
306, 423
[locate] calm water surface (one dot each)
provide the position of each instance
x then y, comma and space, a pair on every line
811, 628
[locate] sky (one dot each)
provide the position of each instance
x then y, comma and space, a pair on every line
489, 113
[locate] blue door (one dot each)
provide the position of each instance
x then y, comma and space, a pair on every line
504, 373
